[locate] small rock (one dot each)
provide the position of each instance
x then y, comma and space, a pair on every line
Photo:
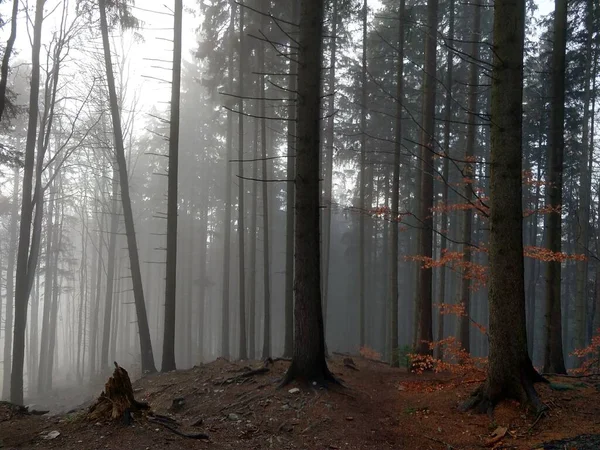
52, 435
294, 391
285, 407
233, 416
349, 419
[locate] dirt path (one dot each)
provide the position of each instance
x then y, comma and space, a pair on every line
380, 408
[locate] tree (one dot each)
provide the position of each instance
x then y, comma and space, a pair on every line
10, 284
168, 355
427, 142
583, 213
393, 293
510, 373
446, 166
136, 276
228, 193
289, 198
362, 262
266, 350
308, 360
553, 355
468, 176
23, 252
6, 58
241, 192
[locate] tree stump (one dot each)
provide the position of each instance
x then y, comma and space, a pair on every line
116, 401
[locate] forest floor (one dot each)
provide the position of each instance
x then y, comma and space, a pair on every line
379, 408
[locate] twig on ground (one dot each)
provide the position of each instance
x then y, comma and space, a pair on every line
439, 441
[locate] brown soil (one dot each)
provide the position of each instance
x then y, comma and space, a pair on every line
380, 408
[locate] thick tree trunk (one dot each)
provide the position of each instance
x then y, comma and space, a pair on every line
136, 276
21, 279
510, 374
241, 212
168, 354
468, 177
425, 335
395, 206
553, 355
308, 361
290, 201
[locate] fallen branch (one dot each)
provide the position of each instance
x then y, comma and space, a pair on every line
439, 441
179, 433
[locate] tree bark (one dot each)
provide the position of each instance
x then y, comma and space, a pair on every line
308, 361
510, 374
136, 276
583, 212
427, 142
21, 279
168, 354
469, 177
289, 214
241, 212
553, 354
266, 350
395, 205
445, 173
7, 53
10, 283
362, 262
228, 194
330, 144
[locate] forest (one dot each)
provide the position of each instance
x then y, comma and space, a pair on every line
319, 193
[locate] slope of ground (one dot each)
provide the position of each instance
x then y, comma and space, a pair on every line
380, 408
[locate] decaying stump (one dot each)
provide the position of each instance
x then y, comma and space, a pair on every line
116, 401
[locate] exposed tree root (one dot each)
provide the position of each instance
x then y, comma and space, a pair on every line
486, 397
319, 375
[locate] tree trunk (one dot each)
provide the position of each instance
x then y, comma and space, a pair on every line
308, 361
425, 335
241, 193
110, 273
362, 262
136, 276
395, 206
10, 274
553, 355
56, 245
7, 53
168, 354
290, 198
510, 374
227, 218
330, 144
583, 213
445, 173
253, 239
266, 350
469, 177
21, 279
